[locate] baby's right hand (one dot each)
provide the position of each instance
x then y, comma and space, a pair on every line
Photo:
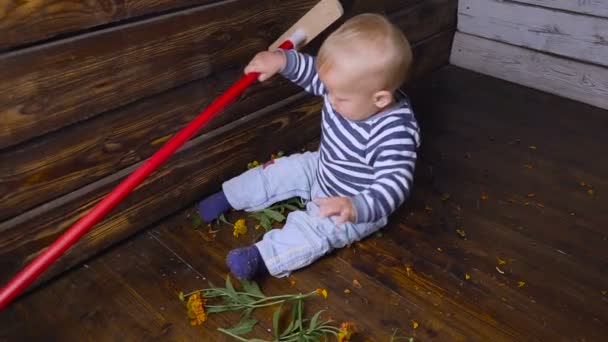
267, 64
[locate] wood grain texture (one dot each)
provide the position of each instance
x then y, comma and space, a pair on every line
55, 164
576, 36
384, 308
426, 19
50, 86
189, 175
536, 215
59, 163
111, 299
29, 21
575, 80
592, 7
476, 142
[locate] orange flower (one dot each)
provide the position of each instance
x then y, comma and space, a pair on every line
347, 330
196, 309
322, 292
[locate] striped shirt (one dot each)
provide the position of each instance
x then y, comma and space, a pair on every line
371, 161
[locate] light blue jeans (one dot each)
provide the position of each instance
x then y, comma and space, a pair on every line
305, 236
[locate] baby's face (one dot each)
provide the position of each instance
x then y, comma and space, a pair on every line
351, 97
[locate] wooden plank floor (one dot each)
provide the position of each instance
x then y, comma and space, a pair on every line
500, 241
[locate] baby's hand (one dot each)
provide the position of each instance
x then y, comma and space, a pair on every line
337, 206
267, 64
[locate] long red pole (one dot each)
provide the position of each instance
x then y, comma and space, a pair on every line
28, 274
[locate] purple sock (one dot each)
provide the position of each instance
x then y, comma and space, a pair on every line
213, 206
246, 262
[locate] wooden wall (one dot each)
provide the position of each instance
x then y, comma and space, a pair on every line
89, 90
558, 46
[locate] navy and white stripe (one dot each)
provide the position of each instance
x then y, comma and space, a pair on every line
370, 161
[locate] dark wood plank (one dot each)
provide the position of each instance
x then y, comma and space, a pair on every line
190, 174
59, 163
64, 161
470, 127
27, 22
56, 164
426, 19
128, 293
376, 309
50, 86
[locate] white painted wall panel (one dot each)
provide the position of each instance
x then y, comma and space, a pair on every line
564, 77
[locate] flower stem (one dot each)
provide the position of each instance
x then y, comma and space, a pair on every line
231, 334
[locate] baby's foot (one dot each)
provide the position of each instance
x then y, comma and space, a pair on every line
213, 206
246, 262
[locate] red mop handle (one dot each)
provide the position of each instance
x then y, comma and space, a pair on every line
27, 275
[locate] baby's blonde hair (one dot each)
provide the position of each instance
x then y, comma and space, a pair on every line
373, 36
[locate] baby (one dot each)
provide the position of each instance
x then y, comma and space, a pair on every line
364, 167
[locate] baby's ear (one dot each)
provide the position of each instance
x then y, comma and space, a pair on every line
383, 98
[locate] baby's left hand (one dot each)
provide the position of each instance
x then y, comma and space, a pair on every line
337, 206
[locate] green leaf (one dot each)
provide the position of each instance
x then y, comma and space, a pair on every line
247, 313
292, 323
266, 223
245, 326
197, 221
291, 207
219, 309
313, 321
230, 289
222, 219
300, 312
275, 321
257, 215
252, 287
275, 215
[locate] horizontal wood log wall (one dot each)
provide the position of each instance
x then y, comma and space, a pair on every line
80, 113
551, 45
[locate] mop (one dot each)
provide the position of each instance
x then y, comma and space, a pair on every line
303, 31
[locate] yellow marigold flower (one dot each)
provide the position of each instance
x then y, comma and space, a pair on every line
279, 154
322, 292
253, 164
240, 228
196, 309
347, 329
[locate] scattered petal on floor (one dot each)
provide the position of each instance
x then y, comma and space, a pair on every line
415, 324
467, 276
445, 197
346, 291
356, 284
461, 233
521, 283
532, 147
500, 261
499, 270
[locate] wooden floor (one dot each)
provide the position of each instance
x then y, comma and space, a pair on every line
505, 238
